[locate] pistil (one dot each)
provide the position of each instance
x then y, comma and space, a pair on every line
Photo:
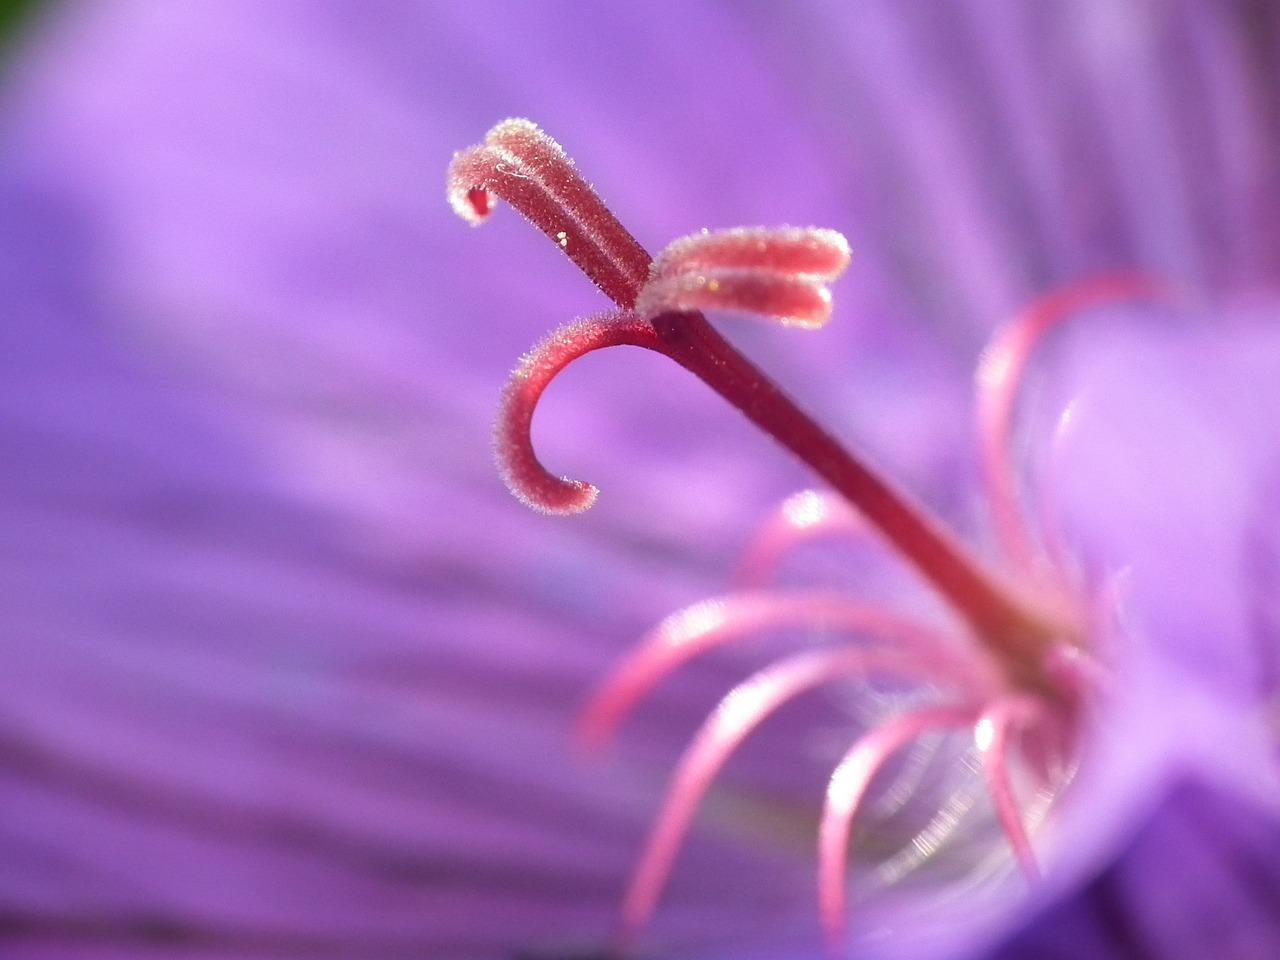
777, 273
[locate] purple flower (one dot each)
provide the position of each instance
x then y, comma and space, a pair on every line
290, 674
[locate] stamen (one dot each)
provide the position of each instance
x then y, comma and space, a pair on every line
740, 712
724, 620
802, 518
848, 790
1000, 372
992, 737
518, 464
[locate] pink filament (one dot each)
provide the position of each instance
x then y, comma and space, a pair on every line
1000, 372
848, 790
740, 712
1001, 719
723, 620
803, 517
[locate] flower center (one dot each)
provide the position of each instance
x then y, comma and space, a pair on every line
1019, 678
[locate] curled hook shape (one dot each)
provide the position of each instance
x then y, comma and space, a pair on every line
518, 464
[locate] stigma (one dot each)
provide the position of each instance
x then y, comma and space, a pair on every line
1014, 672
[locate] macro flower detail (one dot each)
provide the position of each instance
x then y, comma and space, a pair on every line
290, 672
1018, 669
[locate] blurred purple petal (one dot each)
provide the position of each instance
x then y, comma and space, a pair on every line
1199, 878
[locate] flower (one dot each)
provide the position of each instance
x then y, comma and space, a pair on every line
287, 670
